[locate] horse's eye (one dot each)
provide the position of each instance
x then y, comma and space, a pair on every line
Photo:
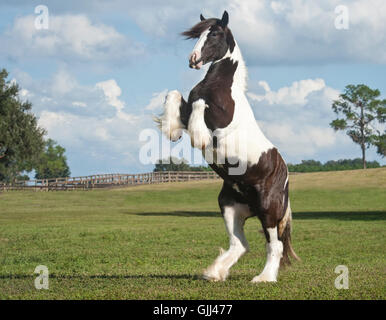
214, 34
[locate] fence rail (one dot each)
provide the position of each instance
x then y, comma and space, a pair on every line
108, 180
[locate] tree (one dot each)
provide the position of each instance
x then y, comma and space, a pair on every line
21, 139
172, 164
53, 162
380, 142
360, 107
175, 164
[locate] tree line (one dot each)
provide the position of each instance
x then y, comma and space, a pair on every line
332, 165
174, 164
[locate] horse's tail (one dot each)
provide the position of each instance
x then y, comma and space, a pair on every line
285, 237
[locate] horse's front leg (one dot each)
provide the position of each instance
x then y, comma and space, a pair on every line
234, 215
200, 135
170, 122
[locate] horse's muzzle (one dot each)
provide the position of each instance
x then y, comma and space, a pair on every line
195, 61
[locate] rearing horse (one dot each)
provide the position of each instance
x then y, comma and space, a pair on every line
221, 123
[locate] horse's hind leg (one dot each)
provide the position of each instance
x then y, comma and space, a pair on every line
276, 222
274, 249
234, 217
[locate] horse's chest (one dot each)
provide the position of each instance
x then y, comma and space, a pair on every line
220, 110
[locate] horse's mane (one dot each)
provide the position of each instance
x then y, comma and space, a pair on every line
196, 30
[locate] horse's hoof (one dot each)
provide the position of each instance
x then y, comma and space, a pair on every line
214, 274
262, 278
210, 278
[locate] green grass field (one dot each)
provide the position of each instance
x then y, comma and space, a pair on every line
152, 242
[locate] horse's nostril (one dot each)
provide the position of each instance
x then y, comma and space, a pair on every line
193, 59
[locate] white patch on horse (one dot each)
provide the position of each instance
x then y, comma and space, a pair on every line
199, 133
243, 131
285, 186
198, 48
274, 254
234, 217
286, 219
170, 122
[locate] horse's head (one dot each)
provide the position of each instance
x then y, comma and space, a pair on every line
214, 40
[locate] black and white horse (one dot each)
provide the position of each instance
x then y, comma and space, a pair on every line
221, 123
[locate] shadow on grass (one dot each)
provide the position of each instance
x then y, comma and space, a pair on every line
210, 214
103, 276
348, 216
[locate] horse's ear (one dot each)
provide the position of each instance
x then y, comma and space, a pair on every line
224, 19
202, 17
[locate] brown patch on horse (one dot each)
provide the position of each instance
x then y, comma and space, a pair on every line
268, 177
215, 90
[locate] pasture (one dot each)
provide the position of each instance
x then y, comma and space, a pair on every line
152, 242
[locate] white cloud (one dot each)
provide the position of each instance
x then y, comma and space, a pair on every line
79, 104
24, 93
299, 141
297, 93
70, 37
112, 91
62, 83
81, 131
94, 145
157, 100
296, 118
268, 32
282, 31
298, 31
102, 141
63, 93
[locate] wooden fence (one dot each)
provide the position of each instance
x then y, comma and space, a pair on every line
108, 180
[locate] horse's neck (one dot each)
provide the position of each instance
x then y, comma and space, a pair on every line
240, 75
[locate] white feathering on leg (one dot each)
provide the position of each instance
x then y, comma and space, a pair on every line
234, 217
274, 254
170, 122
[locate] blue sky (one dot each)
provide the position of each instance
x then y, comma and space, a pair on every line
102, 69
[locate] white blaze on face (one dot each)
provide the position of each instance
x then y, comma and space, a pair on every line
196, 53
